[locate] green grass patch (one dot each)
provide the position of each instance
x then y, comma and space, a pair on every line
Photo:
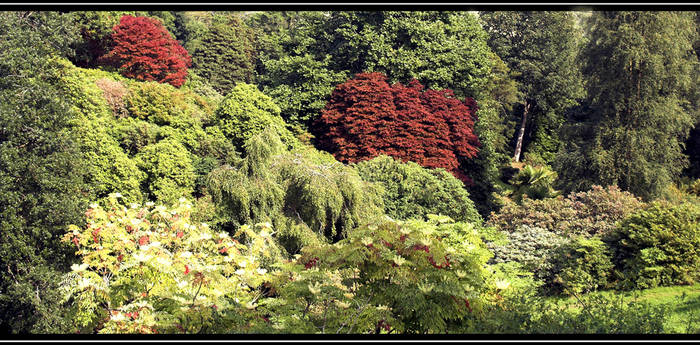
684, 302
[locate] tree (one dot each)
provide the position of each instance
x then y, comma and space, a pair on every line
367, 117
226, 53
542, 48
640, 66
445, 50
42, 187
306, 194
246, 112
143, 49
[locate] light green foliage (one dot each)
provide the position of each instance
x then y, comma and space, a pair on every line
169, 170
147, 269
163, 104
639, 65
411, 191
534, 183
389, 277
658, 246
110, 168
225, 54
541, 47
307, 195
246, 111
582, 265
529, 313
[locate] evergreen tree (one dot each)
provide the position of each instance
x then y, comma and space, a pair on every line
225, 54
640, 68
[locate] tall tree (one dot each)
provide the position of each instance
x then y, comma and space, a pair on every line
542, 48
41, 180
225, 54
319, 50
640, 68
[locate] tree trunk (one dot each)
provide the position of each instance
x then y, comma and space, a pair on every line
521, 133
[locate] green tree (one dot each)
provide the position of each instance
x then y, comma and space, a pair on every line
246, 111
640, 66
41, 170
440, 49
225, 54
542, 48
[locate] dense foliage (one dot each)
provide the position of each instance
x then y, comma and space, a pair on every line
307, 195
143, 49
594, 212
658, 246
411, 191
640, 67
330, 172
367, 117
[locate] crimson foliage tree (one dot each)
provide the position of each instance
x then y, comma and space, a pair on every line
143, 49
366, 117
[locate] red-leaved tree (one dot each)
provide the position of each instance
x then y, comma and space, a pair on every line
144, 50
366, 117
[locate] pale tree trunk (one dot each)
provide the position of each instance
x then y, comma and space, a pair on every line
521, 133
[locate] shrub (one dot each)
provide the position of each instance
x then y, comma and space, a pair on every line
594, 212
169, 170
389, 277
109, 167
412, 191
532, 247
582, 265
144, 50
246, 111
367, 117
166, 105
146, 269
658, 246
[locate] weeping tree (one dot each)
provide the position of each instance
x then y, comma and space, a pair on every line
307, 195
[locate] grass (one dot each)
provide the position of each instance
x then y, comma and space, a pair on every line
684, 302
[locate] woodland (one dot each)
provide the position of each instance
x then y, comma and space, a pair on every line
349, 172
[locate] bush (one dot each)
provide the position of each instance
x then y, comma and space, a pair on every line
594, 212
169, 171
246, 111
658, 246
411, 191
114, 93
532, 247
389, 277
146, 269
582, 265
166, 105
144, 50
